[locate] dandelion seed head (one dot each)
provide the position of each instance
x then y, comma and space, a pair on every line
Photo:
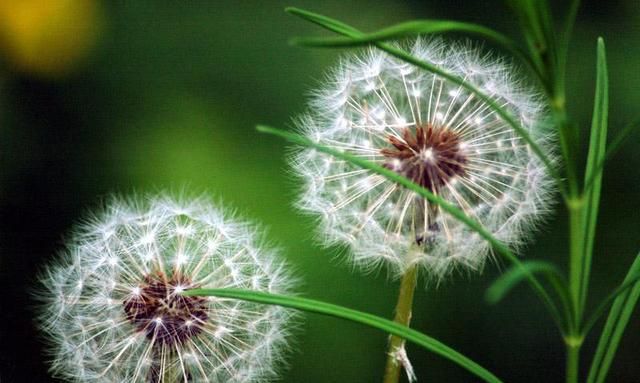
113, 305
439, 135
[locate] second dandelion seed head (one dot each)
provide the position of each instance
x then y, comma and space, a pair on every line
439, 135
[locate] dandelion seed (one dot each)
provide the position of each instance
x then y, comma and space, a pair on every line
447, 140
114, 310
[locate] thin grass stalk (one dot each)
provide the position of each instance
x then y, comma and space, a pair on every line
573, 340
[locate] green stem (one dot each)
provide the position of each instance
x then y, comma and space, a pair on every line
573, 359
568, 138
576, 243
576, 269
402, 316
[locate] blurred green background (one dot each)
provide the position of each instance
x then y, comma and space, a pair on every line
103, 97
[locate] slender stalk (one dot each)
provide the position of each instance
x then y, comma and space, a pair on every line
576, 243
575, 203
573, 361
402, 316
568, 147
576, 269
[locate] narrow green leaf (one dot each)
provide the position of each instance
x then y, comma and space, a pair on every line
350, 32
597, 313
323, 21
570, 19
510, 279
503, 285
549, 53
370, 320
569, 130
612, 150
617, 320
417, 27
597, 151
410, 28
530, 29
498, 246
536, 23
564, 40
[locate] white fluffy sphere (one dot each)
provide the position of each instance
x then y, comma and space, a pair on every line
439, 135
113, 308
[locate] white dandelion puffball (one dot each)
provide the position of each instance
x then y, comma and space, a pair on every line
114, 312
435, 133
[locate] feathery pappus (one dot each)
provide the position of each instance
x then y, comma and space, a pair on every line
439, 135
113, 308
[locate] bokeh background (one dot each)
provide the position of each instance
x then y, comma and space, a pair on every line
102, 97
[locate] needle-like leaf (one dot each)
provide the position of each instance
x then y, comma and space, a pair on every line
388, 326
612, 149
597, 152
619, 316
512, 277
418, 27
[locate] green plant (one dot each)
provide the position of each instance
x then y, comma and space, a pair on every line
565, 296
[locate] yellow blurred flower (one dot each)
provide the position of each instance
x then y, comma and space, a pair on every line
47, 38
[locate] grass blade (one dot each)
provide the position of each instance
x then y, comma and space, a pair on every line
617, 320
507, 281
410, 28
597, 313
339, 27
534, 17
417, 27
388, 326
613, 148
563, 50
510, 279
498, 246
323, 21
597, 151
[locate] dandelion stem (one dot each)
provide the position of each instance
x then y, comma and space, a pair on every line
402, 316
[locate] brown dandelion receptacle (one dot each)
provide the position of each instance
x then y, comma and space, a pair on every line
167, 317
431, 156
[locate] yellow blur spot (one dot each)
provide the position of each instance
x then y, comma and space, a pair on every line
47, 37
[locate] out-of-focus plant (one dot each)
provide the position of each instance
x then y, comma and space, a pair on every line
48, 38
564, 294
